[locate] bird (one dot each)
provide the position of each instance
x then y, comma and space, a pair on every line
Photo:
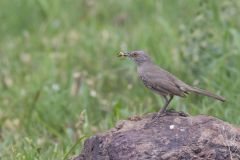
163, 82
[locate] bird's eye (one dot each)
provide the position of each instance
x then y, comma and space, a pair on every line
134, 54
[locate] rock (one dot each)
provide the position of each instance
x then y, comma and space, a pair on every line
171, 137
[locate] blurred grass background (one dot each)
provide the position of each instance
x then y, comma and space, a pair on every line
43, 44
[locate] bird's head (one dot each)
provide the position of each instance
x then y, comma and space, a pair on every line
139, 57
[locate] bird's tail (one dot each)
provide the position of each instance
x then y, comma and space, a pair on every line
206, 93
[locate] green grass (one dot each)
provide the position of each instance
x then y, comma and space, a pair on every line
43, 43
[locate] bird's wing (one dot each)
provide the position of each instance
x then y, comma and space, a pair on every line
162, 82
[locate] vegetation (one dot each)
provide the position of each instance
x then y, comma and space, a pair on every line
43, 44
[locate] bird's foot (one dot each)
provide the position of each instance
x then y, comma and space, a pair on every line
169, 112
158, 115
172, 112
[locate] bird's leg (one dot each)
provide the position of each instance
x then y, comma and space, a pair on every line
167, 101
164, 108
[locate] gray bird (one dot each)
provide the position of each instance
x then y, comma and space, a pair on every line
161, 81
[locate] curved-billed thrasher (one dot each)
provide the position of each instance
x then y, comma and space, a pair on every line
161, 81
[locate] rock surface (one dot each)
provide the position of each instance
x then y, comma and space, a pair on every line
171, 137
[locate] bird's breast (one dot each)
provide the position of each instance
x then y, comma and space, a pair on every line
145, 82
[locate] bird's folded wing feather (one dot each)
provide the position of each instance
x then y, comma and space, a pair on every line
162, 82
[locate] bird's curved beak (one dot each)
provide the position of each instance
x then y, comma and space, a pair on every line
123, 54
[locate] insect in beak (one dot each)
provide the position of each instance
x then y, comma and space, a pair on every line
122, 54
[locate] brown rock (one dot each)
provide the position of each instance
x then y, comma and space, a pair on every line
168, 138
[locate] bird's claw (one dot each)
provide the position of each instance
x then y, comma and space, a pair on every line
158, 115
169, 112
